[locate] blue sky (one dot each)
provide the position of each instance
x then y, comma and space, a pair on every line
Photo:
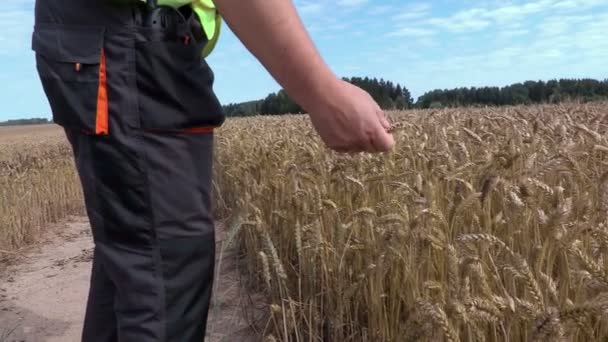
421, 44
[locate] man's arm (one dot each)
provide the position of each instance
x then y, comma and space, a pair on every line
345, 116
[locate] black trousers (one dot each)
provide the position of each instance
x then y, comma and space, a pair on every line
138, 109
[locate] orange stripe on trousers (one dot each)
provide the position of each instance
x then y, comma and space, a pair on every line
198, 130
101, 119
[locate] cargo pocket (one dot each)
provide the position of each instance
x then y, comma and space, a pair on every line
72, 68
174, 82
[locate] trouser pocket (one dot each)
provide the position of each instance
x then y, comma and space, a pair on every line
175, 84
72, 68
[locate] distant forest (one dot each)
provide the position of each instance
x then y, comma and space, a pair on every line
529, 92
386, 93
20, 122
390, 95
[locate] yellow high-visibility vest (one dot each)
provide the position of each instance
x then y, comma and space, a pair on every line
209, 17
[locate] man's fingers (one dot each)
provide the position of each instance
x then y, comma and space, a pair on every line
385, 123
371, 146
383, 142
379, 142
383, 120
378, 139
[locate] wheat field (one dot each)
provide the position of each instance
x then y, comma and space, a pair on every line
483, 224
38, 184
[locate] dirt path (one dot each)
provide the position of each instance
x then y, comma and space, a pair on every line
42, 297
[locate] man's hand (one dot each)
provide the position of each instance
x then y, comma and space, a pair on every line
346, 117
349, 120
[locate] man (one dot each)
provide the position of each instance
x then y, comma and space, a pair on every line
137, 106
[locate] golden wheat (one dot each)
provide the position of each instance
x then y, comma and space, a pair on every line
481, 225
38, 183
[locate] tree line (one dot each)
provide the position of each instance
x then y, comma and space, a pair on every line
391, 95
19, 122
529, 92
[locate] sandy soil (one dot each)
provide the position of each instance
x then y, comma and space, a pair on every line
43, 294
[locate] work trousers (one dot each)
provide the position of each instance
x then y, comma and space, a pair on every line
138, 109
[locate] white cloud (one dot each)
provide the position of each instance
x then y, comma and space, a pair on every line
577, 4
565, 46
309, 7
351, 3
16, 25
411, 32
323, 25
463, 21
509, 15
591, 39
413, 11
15, 32
322, 19
553, 27
566, 4
378, 10
512, 33
551, 53
562, 24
